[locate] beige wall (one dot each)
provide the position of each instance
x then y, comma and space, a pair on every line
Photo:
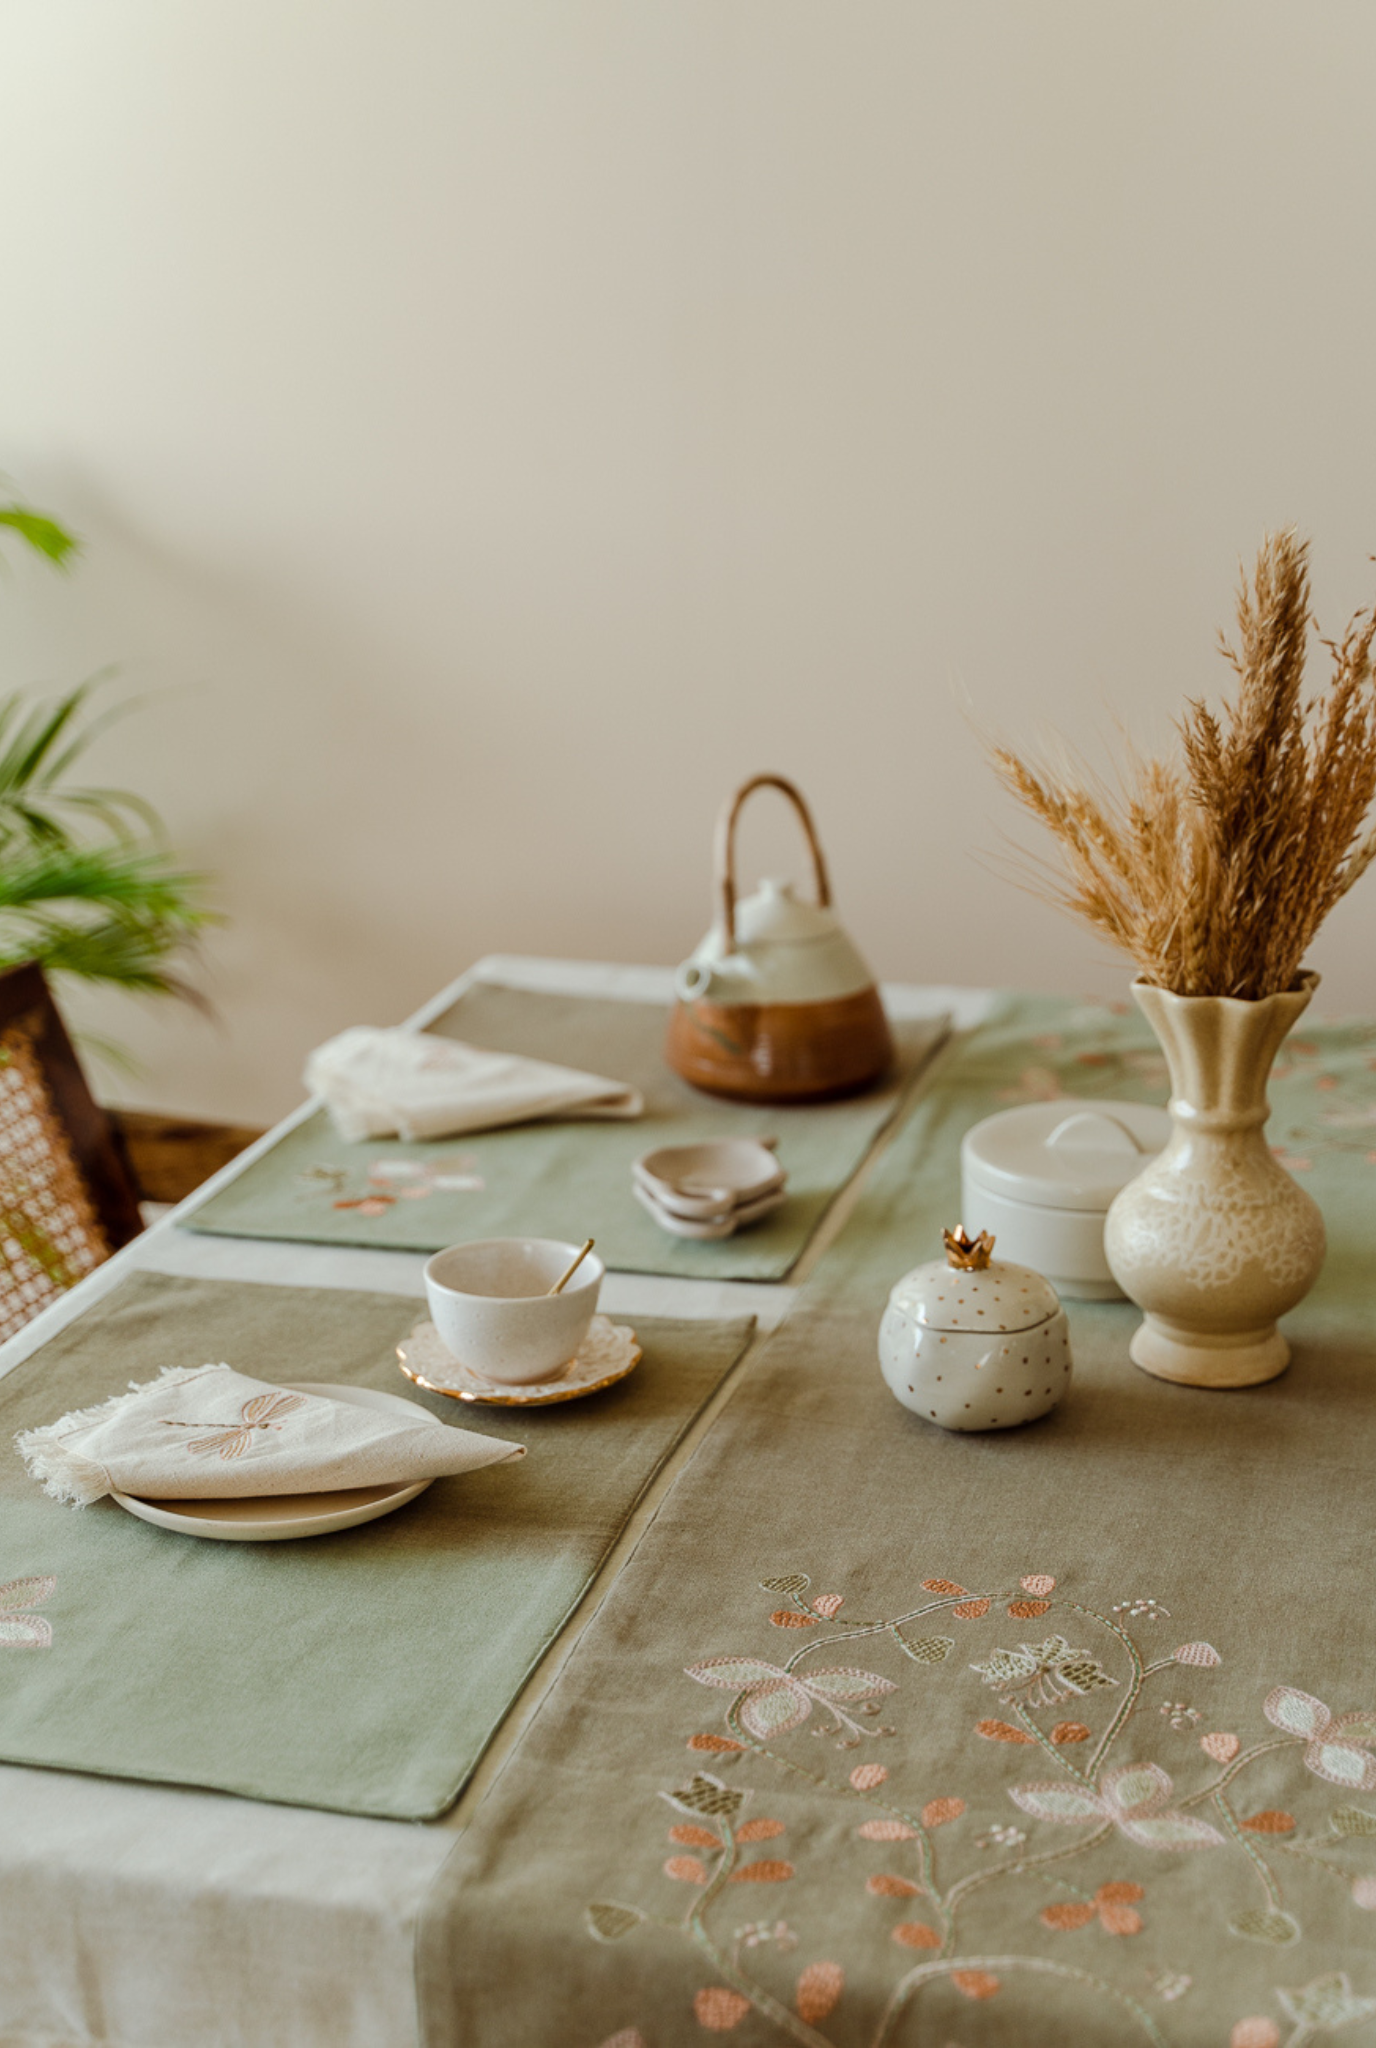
498, 425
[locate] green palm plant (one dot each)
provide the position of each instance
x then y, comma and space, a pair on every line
87, 885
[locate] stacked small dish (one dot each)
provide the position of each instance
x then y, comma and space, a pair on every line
710, 1190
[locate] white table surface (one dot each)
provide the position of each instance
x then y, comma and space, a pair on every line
141, 1916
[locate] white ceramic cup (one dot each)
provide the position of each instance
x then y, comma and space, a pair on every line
491, 1304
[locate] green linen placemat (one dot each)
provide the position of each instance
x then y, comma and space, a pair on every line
364, 1671
566, 1180
888, 1737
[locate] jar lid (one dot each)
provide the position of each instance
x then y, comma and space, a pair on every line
1064, 1155
999, 1298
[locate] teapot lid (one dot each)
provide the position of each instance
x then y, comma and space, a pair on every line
971, 1290
774, 913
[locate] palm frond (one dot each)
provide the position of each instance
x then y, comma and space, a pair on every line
42, 534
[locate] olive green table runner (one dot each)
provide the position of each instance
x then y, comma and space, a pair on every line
1054, 1738
364, 1671
565, 1180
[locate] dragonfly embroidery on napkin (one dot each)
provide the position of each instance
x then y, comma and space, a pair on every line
232, 1439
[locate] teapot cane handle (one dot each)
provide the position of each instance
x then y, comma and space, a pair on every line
726, 847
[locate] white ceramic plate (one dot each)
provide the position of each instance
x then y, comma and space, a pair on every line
273, 1518
723, 1226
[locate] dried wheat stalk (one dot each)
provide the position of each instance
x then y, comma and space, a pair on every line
1214, 872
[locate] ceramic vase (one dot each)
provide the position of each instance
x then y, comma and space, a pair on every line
1215, 1240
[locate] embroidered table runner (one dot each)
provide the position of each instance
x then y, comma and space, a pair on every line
1064, 1735
565, 1180
364, 1671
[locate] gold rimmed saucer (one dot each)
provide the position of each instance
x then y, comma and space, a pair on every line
606, 1355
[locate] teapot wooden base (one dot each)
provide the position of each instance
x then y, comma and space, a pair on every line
781, 1052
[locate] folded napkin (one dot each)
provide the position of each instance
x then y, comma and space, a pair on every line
211, 1433
413, 1085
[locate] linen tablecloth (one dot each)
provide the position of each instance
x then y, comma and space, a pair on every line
1056, 1735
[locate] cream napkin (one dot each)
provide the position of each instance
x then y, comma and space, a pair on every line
210, 1433
413, 1085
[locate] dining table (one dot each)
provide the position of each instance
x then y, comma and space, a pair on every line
755, 1704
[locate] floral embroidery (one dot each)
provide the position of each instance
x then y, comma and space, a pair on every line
1112, 1906
1085, 1800
391, 1180
1338, 1750
20, 1630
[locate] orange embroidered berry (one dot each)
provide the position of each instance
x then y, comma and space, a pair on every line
819, 1987
1038, 1583
1119, 1894
827, 1604
687, 1869
1001, 1731
787, 1617
719, 2010
694, 1838
886, 1831
942, 1586
970, 1610
1120, 1920
759, 1830
1067, 1914
1027, 1610
1069, 1731
866, 1776
937, 1812
885, 1885
916, 1934
1254, 2033
716, 1745
1272, 1821
976, 1983
762, 1873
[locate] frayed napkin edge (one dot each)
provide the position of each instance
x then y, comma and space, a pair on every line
67, 1476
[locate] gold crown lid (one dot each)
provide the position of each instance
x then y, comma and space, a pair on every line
965, 1253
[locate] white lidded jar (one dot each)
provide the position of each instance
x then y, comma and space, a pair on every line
1041, 1178
974, 1342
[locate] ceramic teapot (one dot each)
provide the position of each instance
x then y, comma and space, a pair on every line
776, 1005
975, 1342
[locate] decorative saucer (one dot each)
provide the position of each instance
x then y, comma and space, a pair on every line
606, 1355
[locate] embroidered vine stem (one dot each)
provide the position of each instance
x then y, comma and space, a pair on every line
926, 1972
797, 2028
1125, 1711
1309, 1854
1058, 1757
1239, 1763
1254, 1855
1021, 1864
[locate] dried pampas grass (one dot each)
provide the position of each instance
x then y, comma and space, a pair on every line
1213, 872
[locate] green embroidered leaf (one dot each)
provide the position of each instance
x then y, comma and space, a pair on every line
1172, 1831
1352, 1820
1326, 2002
926, 1649
1298, 1713
789, 1582
705, 1794
774, 1708
733, 1674
1065, 1804
608, 1922
1342, 1764
844, 1682
1273, 1926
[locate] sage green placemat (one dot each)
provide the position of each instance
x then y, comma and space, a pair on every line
1062, 1737
564, 1180
364, 1671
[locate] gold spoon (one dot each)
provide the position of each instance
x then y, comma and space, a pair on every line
564, 1278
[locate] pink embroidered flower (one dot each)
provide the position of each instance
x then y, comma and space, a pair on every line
1338, 1749
774, 1700
1135, 1797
